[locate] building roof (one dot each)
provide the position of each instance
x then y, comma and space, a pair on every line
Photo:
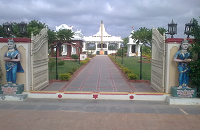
106, 37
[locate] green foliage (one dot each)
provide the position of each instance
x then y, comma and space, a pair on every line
83, 62
132, 76
1, 31
74, 69
65, 35
119, 52
195, 50
146, 50
74, 56
125, 41
35, 27
144, 35
134, 66
51, 65
126, 70
60, 63
65, 76
52, 37
71, 72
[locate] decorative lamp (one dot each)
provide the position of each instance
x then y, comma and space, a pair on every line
172, 28
188, 28
22, 28
7, 27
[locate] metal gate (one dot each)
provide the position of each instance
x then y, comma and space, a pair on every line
158, 61
39, 60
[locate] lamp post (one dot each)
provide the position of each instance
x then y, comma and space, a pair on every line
79, 56
122, 46
188, 28
141, 63
7, 27
22, 28
56, 62
115, 51
172, 28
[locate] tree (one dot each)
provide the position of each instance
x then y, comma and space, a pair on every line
195, 52
1, 31
35, 27
65, 35
144, 35
125, 41
161, 30
51, 37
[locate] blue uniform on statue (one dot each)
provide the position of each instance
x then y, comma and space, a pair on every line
183, 59
12, 65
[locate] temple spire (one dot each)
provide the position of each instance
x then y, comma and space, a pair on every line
101, 34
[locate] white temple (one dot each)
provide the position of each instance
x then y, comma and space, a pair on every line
133, 49
92, 44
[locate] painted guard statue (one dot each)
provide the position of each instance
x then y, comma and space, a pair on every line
12, 58
183, 59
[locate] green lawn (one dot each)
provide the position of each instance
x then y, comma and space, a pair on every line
133, 64
68, 66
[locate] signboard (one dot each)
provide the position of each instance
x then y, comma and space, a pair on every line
83, 56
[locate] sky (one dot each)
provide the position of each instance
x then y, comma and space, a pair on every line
119, 16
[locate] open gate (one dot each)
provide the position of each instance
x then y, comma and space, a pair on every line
158, 61
39, 60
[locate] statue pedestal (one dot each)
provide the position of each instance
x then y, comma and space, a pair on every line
10, 90
12, 93
183, 92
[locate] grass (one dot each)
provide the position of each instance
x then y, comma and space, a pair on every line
133, 64
68, 66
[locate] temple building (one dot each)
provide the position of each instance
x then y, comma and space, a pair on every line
133, 46
75, 47
100, 43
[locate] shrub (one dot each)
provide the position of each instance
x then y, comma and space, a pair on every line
51, 65
71, 72
60, 63
74, 69
126, 70
132, 76
74, 56
65, 76
119, 52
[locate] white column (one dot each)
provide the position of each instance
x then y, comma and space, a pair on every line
139, 53
107, 45
63, 52
96, 45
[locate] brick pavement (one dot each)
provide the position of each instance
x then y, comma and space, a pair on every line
64, 120
100, 75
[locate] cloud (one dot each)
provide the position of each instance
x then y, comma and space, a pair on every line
118, 15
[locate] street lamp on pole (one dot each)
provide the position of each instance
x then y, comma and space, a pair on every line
188, 29
56, 62
22, 28
7, 28
172, 28
122, 46
141, 63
